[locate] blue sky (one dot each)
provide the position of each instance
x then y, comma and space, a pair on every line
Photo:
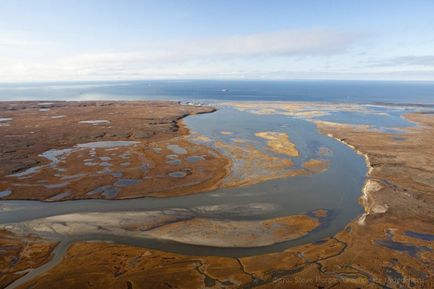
99, 40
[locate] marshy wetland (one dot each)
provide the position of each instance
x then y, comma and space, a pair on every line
251, 195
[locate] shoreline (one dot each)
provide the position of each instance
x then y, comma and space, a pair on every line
382, 238
151, 125
366, 189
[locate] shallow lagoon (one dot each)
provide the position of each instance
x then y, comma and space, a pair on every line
385, 119
336, 190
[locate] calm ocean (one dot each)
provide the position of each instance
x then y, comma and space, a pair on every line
218, 90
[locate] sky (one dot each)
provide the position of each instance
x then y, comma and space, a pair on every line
42, 40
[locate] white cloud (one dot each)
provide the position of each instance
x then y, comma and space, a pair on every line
411, 60
176, 59
308, 54
289, 42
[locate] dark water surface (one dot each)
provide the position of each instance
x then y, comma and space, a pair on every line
218, 90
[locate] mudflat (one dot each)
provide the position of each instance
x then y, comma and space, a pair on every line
19, 253
389, 246
79, 150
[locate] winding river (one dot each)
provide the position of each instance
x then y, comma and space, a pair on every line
337, 190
